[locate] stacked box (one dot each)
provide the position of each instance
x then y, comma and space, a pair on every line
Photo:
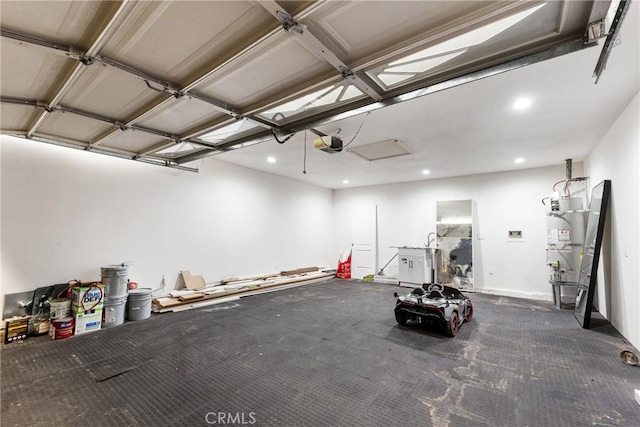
89, 322
87, 303
87, 298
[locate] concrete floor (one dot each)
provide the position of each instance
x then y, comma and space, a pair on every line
326, 354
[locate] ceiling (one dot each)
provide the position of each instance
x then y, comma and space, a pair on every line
172, 83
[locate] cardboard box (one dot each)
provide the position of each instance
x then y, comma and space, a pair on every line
87, 322
88, 297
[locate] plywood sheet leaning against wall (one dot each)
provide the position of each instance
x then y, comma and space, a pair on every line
193, 282
239, 286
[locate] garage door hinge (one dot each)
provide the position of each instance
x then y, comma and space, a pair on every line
288, 23
346, 72
86, 60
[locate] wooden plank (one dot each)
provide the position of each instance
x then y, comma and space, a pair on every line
240, 285
249, 278
180, 292
235, 296
299, 271
167, 302
192, 297
176, 293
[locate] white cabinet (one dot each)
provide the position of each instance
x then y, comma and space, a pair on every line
415, 265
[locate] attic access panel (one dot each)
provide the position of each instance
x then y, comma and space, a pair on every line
380, 150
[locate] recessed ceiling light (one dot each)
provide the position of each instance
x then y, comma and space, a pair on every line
271, 159
426, 172
346, 181
518, 160
522, 103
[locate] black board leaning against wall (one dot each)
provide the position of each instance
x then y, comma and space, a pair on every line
591, 254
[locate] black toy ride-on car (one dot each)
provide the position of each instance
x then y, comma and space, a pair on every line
437, 305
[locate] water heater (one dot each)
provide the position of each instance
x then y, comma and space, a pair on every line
566, 220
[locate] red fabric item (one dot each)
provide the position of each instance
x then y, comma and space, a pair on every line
344, 268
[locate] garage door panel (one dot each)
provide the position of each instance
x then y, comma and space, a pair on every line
33, 74
16, 117
131, 141
110, 92
175, 39
72, 126
182, 115
281, 64
68, 23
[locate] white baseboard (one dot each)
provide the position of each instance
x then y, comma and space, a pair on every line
516, 294
384, 279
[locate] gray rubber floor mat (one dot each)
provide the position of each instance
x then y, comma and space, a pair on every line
326, 354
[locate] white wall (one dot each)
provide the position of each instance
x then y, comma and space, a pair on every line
617, 157
66, 213
504, 201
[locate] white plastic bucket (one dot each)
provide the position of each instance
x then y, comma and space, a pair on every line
59, 308
113, 311
114, 279
139, 303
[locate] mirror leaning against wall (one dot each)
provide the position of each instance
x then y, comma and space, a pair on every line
591, 253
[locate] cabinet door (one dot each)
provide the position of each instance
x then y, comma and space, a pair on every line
404, 269
418, 271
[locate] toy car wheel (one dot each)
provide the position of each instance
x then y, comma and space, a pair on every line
401, 317
453, 326
424, 323
468, 316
